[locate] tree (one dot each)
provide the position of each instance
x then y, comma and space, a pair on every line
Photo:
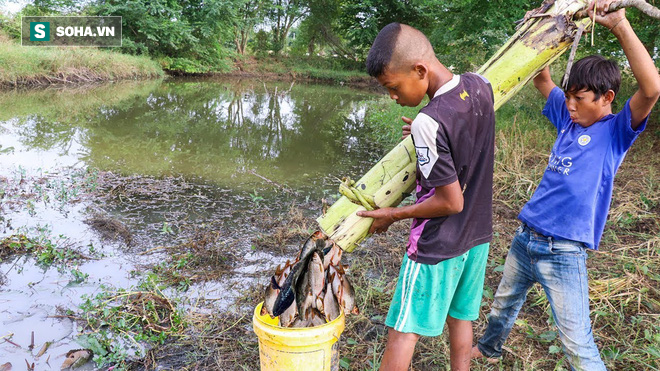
321, 28
361, 20
282, 15
191, 34
50, 7
249, 14
466, 32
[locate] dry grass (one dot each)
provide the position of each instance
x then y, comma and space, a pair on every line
283, 230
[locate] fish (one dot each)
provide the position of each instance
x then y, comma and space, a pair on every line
76, 358
289, 316
335, 280
5, 367
312, 290
288, 289
312, 265
304, 297
287, 295
311, 244
285, 273
330, 304
317, 318
331, 255
348, 297
272, 290
300, 322
270, 296
318, 302
316, 274
282, 271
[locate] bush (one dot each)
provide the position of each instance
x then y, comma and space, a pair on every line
261, 43
11, 27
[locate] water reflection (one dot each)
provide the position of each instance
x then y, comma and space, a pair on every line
216, 131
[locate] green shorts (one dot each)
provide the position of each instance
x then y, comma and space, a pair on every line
425, 293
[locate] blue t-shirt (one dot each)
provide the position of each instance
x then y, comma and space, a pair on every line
573, 198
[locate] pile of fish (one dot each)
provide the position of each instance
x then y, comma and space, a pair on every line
313, 289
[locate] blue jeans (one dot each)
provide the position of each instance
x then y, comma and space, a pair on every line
560, 267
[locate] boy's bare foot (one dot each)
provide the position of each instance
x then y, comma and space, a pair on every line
476, 353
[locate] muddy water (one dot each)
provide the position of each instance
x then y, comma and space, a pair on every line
181, 152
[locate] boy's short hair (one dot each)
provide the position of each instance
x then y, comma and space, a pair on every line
596, 74
398, 47
382, 49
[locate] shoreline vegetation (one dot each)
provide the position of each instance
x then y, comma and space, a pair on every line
39, 67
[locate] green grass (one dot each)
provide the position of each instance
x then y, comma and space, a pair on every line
42, 66
122, 322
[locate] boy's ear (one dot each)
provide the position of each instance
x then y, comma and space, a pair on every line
421, 70
608, 97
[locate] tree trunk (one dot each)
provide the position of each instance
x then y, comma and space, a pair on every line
544, 35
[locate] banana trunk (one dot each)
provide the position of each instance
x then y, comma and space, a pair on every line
543, 36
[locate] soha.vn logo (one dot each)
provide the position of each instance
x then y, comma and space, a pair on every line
39, 31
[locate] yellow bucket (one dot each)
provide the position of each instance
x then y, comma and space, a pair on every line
309, 348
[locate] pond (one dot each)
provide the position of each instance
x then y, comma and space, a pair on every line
160, 156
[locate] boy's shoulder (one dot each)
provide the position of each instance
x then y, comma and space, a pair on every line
464, 87
476, 75
461, 95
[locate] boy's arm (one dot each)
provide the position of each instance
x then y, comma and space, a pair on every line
543, 82
640, 61
447, 200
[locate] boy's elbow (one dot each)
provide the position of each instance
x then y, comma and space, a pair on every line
456, 206
653, 92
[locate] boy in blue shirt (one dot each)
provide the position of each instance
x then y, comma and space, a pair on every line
567, 213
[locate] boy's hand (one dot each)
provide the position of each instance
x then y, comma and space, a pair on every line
603, 18
405, 129
383, 218
543, 82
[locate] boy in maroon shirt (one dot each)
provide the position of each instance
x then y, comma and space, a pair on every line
442, 272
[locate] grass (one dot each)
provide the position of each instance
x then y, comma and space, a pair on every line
27, 192
119, 323
44, 248
35, 66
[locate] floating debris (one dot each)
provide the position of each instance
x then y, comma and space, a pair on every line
43, 350
76, 358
